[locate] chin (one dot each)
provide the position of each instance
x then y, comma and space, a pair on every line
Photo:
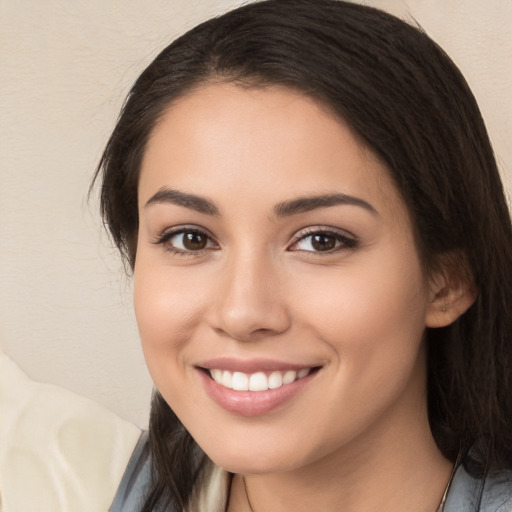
247, 465
246, 458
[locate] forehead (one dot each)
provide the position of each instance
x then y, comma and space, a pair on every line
246, 139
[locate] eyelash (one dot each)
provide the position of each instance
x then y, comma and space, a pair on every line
344, 242
166, 237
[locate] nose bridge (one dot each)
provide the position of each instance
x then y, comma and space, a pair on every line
249, 300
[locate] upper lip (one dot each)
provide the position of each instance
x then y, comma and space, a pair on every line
252, 365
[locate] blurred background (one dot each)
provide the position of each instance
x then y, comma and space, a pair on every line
66, 316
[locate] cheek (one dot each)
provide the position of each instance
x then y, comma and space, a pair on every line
373, 321
376, 309
168, 309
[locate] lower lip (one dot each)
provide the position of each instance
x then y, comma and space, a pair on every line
252, 403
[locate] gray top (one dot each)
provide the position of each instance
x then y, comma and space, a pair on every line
130, 494
465, 494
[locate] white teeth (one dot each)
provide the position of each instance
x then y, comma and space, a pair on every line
275, 380
227, 379
240, 381
289, 377
216, 375
303, 372
258, 381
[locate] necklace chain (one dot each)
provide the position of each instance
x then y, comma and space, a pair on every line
439, 509
247, 494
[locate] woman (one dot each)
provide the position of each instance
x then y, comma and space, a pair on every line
322, 259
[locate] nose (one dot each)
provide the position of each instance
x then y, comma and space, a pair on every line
249, 301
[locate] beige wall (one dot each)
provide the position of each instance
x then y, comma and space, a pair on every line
66, 65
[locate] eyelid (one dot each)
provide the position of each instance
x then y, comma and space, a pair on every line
347, 239
166, 235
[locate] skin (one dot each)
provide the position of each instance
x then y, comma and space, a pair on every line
356, 437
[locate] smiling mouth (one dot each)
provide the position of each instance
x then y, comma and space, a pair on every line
258, 381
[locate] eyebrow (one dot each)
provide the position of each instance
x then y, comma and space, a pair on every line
306, 204
284, 209
191, 201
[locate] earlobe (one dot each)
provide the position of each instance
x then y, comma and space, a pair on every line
452, 294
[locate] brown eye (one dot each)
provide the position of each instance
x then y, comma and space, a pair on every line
323, 242
185, 241
194, 241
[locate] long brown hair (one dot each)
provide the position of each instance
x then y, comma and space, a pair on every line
410, 104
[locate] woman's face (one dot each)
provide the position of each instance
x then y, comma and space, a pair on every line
275, 253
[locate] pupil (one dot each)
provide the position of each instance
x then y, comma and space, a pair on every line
194, 241
323, 242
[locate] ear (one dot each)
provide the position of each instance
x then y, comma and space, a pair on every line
452, 293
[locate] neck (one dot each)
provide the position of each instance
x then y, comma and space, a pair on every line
400, 471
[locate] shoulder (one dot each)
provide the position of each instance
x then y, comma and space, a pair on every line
492, 493
211, 496
497, 492
136, 479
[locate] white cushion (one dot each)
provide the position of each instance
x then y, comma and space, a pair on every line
58, 450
